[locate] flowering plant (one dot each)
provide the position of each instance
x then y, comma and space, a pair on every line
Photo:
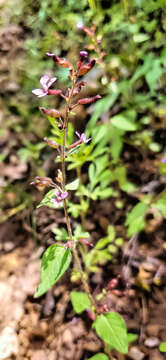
110, 326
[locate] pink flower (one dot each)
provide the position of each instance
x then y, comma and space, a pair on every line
46, 82
163, 160
82, 137
59, 197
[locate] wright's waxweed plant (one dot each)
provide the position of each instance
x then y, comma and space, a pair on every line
109, 326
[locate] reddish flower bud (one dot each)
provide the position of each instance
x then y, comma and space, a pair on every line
78, 88
112, 284
85, 242
53, 144
91, 314
55, 92
89, 100
103, 309
88, 31
84, 68
62, 62
51, 112
42, 182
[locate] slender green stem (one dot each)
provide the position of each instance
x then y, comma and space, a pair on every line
75, 253
82, 213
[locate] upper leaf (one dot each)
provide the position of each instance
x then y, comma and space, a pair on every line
80, 301
73, 185
55, 262
112, 329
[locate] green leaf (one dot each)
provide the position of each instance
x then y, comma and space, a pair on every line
138, 38
99, 356
73, 185
80, 301
112, 329
55, 262
135, 218
61, 234
153, 75
121, 122
161, 205
163, 347
131, 337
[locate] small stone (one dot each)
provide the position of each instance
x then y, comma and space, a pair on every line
8, 343
152, 342
152, 330
136, 354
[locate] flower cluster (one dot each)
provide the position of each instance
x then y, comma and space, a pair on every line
46, 82
83, 66
59, 197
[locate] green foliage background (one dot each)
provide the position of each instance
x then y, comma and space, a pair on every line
131, 113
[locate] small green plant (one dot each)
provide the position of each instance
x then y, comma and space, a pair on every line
109, 326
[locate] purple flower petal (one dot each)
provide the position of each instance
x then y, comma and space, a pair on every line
50, 54
51, 82
44, 82
83, 137
56, 203
87, 140
83, 53
163, 160
39, 92
78, 134
64, 195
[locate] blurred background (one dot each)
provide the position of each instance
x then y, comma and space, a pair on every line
128, 130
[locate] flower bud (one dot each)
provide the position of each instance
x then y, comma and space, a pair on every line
51, 112
62, 62
55, 92
84, 68
89, 100
83, 54
53, 144
59, 178
41, 182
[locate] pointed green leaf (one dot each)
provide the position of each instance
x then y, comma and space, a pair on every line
99, 356
135, 218
123, 123
80, 301
73, 185
55, 262
112, 329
